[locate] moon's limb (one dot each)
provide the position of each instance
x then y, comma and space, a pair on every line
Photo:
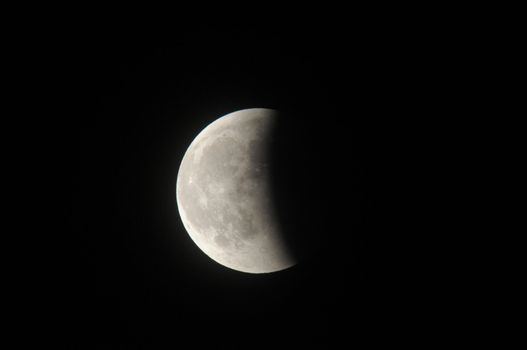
223, 193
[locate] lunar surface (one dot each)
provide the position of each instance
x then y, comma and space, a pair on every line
223, 193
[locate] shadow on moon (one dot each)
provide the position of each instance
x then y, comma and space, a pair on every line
299, 172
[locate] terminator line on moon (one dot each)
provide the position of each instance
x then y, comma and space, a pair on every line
223, 193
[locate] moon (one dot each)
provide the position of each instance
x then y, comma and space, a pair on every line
224, 193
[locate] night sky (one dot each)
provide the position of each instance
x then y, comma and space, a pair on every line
134, 100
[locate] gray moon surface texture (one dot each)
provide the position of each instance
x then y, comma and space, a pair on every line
224, 195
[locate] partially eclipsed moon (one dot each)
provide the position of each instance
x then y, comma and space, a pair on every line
223, 193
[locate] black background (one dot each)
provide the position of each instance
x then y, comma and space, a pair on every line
350, 176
